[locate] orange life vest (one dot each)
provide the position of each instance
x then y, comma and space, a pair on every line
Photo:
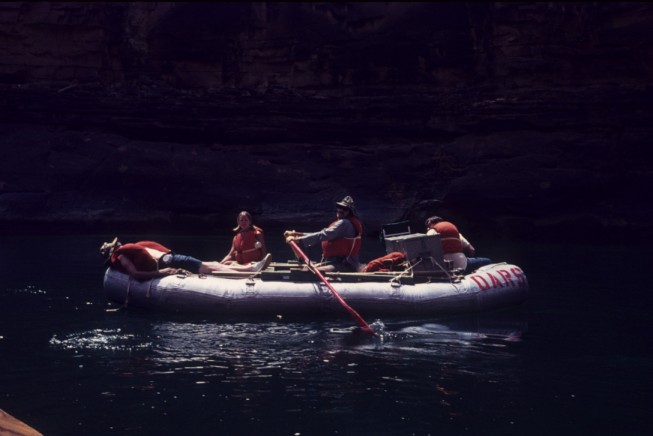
245, 245
344, 247
137, 253
449, 237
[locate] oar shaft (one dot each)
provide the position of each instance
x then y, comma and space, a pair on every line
354, 314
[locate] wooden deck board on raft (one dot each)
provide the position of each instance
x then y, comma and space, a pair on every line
11, 426
294, 271
299, 275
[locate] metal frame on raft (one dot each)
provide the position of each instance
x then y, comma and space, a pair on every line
424, 262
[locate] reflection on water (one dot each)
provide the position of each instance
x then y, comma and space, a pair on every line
73, 365
274, 370
256, 348
99, 339
27, 289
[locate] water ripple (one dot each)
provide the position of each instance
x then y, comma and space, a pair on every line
27, 290
100, 339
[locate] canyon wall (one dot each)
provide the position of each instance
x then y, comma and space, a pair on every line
516, 119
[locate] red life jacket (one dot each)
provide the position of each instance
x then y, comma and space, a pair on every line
449, 237
137, 253
245, 245
344, 247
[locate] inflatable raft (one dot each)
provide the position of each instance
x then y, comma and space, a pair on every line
288, 289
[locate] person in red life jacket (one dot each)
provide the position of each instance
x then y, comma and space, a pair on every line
454, 245
341, 240
144, 260
248, 244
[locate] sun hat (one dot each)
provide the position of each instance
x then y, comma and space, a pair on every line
107, 248
347, 203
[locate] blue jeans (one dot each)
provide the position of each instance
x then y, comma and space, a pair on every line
473, 263
186, 262
340, 263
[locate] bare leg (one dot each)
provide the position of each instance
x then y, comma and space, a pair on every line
325, 267
208, 267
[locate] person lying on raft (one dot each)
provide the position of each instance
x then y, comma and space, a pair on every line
144, 260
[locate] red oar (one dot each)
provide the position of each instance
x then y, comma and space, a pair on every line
359, 319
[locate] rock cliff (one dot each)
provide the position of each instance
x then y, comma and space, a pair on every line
517, 119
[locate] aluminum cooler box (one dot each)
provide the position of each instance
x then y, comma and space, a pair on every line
416, 247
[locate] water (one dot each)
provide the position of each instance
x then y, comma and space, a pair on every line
575, 359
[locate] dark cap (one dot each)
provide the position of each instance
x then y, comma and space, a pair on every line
432, 220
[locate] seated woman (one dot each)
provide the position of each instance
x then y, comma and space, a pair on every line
248, 244
144, 260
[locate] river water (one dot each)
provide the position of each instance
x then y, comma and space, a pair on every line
575, 359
